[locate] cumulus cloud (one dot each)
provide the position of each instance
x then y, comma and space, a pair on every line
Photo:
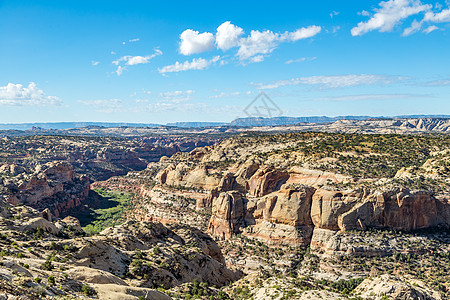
440, 17
430, 17
336, 81
390, 14
129, 60
253, 47
17, 94
194, 42
227, 36
195, 64
94, 63
260, 43
257, 44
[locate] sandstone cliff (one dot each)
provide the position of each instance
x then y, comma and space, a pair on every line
54, 186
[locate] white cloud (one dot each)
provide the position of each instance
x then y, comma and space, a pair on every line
440, 17
94, 63
336, 29
226, 95
430, 29
120, 70
17, 94
176, 96
430, 17
227, 36
135, 60
256, 46
129, 60
389, 14
336, 81
252, 48
334, 13
415, 26
439, 82
368, 97
134, 40
299, 60
103, 105
194, 42
195, 64
302, 33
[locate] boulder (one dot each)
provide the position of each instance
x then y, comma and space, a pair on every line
39, 222
90, 275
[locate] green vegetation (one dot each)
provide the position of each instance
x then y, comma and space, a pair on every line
341, 286
106, 209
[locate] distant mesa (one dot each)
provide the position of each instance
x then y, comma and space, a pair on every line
239, 122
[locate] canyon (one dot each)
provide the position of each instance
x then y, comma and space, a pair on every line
299, 215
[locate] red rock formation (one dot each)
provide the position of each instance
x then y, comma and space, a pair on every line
266, 180
54, 186
228, 212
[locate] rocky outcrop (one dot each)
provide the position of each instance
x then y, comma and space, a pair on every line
266, 180
281, 217
289, 215
398, 209
327, 206
228, 214
120, 292
396, 288
53, 186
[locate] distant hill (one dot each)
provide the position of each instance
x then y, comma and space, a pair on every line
277, 121
241, 122
196, 124
69, 125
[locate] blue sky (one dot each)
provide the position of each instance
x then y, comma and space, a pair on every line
142, 61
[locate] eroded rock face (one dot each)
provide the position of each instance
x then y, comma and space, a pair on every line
290, 214
282, 216
398, 209
53, 186
266, 180
228, 214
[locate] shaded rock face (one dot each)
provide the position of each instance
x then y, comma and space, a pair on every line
53, 186
397, 209
282, 216
265, 181
327, 206
290, 215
